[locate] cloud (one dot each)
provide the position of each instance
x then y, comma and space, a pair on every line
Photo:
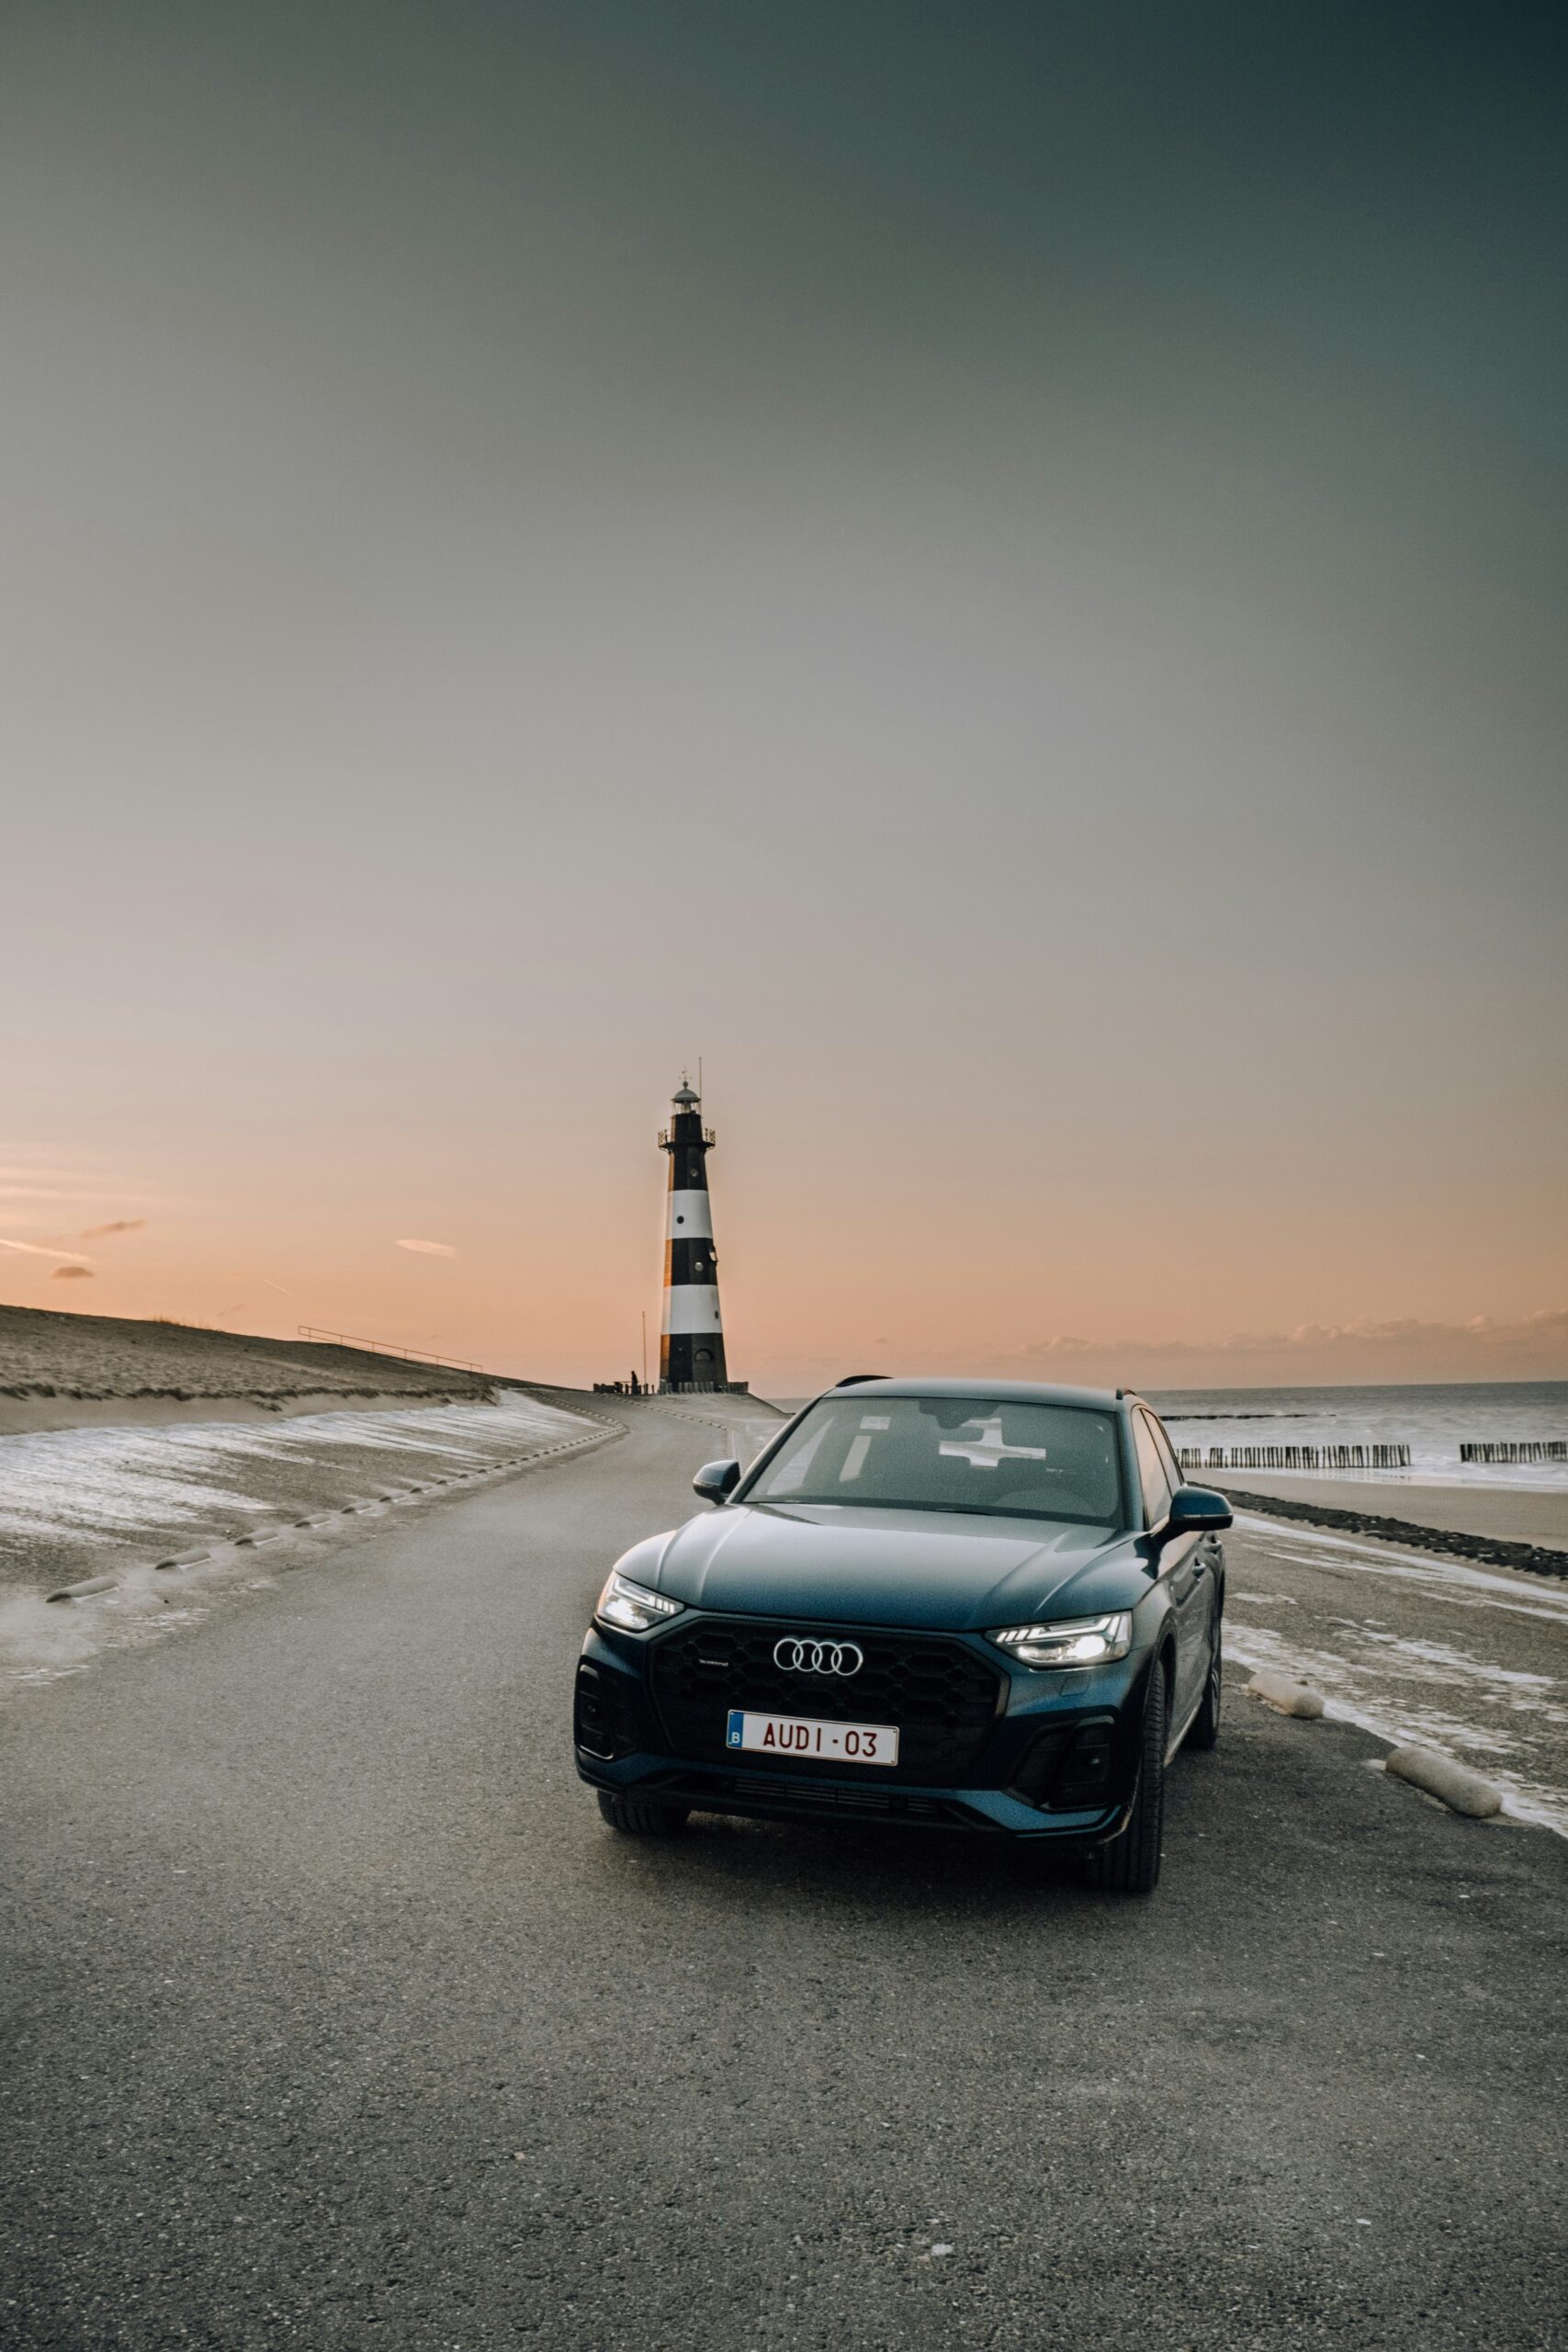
115, 1225
71, 1274
1546, 1327
35, 1249
429, 1248
17, 1186
49, 1193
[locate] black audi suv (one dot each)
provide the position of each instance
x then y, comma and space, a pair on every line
983, 1605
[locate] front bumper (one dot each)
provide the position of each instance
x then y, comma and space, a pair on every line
1054, 1759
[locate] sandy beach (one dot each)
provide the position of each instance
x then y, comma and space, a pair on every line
75, 1371
1504, 1513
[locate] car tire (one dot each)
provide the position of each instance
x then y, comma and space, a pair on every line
640, 1817
1205, 1731
1130, 1864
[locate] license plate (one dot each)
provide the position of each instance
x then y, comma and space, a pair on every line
801, 1735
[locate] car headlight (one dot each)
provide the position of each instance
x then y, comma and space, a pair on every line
1075, 1640
631, 1606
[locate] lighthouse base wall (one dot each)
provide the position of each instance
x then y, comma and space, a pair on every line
705, 1388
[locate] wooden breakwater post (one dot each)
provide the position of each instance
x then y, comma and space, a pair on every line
1514, 1450
1294, 1457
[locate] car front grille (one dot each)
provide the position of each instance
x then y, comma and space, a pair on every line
943, 1699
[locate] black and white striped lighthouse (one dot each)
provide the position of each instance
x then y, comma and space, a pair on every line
691, 1348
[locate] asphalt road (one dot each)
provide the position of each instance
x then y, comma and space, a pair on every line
335, 2018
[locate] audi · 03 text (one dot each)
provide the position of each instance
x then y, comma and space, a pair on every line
989, 1606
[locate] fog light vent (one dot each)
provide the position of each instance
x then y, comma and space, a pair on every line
1035, 1775
1086, 1772
592, 1726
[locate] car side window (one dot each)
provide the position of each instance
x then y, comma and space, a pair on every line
1156, 1485
1166, 1452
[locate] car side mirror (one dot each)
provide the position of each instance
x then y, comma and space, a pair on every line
716, 1481
1197, 1511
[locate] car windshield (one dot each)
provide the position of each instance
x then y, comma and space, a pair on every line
1007, 1459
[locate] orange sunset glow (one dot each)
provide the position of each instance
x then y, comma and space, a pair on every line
1091, 797
537, 1250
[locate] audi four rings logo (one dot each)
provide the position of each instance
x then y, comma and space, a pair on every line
796, 1656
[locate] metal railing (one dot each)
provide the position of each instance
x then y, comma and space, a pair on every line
385, 1348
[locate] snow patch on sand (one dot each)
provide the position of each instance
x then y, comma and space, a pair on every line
1516, 1590
1383, 1694
109, 1482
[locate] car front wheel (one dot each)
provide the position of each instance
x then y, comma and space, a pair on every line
637, 1817
1130, 1864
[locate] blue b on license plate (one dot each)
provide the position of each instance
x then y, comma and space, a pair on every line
803, 1736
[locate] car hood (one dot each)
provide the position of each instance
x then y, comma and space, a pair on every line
890, 1567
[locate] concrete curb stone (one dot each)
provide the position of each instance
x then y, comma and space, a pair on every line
1286, 1696
1456, 1786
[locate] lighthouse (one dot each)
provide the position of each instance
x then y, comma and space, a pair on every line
691, 1349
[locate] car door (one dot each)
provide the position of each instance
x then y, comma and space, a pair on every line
1208, 1556
1183, 1572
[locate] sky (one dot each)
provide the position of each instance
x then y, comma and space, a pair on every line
995, 572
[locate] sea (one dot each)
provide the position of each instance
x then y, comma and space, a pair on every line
1433, 1421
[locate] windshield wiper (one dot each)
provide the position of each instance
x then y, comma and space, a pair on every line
971, 1510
